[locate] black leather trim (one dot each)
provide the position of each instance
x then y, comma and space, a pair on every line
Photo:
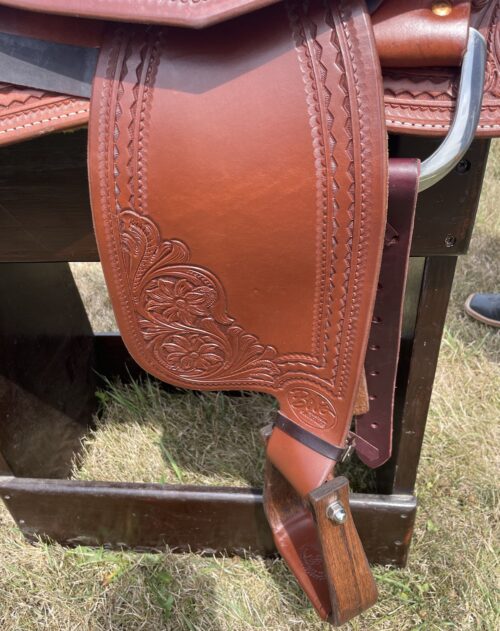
334, 452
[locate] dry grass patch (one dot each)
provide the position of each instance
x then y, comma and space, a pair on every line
147, 434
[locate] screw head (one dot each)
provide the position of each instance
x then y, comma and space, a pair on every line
450, 240
336, 512
463, 166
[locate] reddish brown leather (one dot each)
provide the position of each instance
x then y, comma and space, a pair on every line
26, 113
375, 426
296, 538
238, 184
190, 13
287, 179
422, 102
416, 101
409, 33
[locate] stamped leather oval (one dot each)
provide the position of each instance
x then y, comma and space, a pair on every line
312, 407
312, 559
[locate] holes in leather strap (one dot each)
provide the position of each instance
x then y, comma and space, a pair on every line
373, 373
374, 425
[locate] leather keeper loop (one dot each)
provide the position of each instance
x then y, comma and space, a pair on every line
320, 446
409, 33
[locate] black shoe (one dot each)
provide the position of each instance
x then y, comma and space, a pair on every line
484, 307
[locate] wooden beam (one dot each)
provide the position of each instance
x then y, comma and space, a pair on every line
416, 378
201, 519
45, 209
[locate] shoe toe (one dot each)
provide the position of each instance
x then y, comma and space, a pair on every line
485, 305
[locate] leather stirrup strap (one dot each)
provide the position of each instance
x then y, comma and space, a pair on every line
294, 528
374, 428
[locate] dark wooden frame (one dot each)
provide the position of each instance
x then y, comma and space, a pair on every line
50, 358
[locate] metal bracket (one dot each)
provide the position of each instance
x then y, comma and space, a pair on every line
466, 119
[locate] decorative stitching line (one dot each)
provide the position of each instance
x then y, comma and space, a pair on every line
113, 223
320, 160
359, 268
43, 121
107, 116
400, 123
145, 111
347, 224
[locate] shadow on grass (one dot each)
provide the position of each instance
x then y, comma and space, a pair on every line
206, 436
199, 435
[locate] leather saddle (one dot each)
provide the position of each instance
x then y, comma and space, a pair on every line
253, 232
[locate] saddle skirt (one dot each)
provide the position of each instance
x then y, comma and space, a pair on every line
419, 98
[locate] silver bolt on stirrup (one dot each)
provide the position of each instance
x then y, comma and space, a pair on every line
466, 119
336, 512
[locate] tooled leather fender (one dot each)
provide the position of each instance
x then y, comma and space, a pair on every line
238, 182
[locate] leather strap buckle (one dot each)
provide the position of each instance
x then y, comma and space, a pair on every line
350, 447
369, 451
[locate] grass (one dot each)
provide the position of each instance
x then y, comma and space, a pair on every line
451, 580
